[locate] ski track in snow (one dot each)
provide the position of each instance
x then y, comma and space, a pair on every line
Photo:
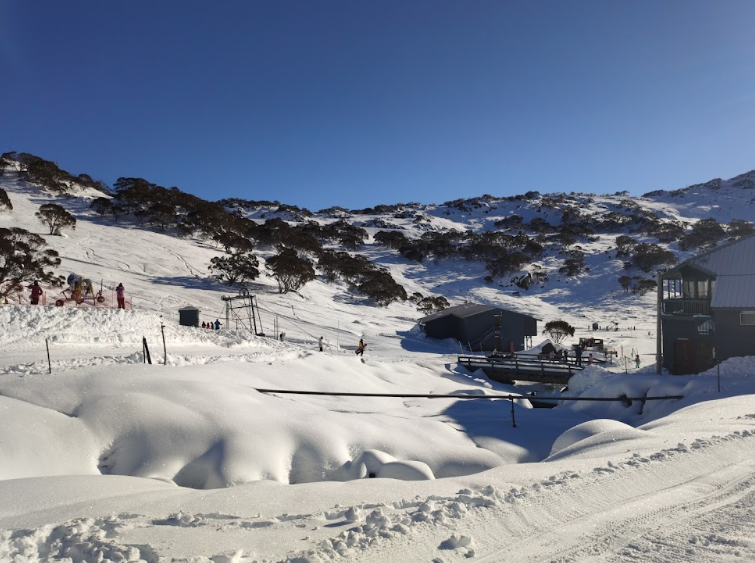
655, 508
562, 519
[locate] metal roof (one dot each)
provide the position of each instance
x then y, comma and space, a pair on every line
736, 258
460, 311
734, 291
467, 310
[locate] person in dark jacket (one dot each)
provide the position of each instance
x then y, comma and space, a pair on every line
578, 355
36, 293
120, 294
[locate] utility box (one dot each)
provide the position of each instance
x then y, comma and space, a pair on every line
188, 316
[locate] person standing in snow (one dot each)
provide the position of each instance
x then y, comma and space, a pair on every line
589, 359
36, 292
217, 324
637, 361
578, 354
319, 342
360, 348
120, 293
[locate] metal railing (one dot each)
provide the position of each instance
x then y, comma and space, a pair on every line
688, 307
521, 365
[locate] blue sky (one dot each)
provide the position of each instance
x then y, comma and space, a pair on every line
355, 103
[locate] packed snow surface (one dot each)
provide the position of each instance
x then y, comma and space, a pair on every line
195, 458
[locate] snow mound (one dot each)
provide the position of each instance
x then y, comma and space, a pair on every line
592, 434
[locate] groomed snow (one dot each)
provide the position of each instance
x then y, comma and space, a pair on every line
111, 459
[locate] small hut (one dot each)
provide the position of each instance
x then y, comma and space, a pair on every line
188, 316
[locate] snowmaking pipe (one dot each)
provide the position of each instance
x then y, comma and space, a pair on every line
510, 398
464, 397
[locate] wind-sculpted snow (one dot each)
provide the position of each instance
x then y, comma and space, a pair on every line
207, 427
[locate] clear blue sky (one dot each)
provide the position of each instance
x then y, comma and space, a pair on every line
354, 103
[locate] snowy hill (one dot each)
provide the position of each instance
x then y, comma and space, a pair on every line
109, 458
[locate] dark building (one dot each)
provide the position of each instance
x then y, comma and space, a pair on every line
188, 316
708, 308
481, 327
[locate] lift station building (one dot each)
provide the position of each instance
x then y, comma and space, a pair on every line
482, 327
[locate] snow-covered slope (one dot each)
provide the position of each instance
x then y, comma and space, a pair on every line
104, 457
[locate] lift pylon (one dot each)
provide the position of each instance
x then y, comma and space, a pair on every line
242, 308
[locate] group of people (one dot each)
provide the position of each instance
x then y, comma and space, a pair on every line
563, 356
37, 292
211, 325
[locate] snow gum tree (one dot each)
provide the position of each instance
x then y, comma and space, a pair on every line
558, 330
5, 204
290, 270
239, 267
25, 258
55, 217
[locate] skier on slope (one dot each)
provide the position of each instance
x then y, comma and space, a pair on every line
360, 348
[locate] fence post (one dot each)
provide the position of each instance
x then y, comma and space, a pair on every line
49, 365
513, 418
145, 351
165, 352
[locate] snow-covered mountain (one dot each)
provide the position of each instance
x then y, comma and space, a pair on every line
565, 261
104, 458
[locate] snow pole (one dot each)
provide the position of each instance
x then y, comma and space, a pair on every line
659, 324
49, 365
718, 376
165, 352
513, 418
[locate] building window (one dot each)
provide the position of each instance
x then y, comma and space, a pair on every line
702, 289
747, 318
674, 288
706, 327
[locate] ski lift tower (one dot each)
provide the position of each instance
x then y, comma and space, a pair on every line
243, 308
